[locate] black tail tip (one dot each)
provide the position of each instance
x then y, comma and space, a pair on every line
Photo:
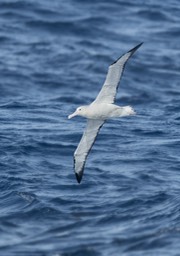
78, 177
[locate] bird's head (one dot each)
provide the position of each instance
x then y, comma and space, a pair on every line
80, 111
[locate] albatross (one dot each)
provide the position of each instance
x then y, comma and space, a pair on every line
101, 109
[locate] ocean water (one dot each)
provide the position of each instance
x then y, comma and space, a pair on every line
54, 57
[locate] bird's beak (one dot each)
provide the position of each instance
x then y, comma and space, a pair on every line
72, 115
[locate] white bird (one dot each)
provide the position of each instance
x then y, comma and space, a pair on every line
99, 110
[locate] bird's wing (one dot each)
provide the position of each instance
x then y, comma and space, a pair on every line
110, 86
85, 145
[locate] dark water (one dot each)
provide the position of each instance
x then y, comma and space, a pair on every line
53, 57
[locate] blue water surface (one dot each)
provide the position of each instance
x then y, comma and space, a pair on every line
54, 56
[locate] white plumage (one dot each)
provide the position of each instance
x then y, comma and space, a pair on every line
99, 110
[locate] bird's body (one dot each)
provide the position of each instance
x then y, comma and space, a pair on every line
101, 109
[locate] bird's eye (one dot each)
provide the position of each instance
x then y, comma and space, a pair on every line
79, 109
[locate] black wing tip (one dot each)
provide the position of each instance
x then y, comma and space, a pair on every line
135, 48
79, 177
130, 51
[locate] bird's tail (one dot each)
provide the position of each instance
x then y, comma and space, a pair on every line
128, 111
